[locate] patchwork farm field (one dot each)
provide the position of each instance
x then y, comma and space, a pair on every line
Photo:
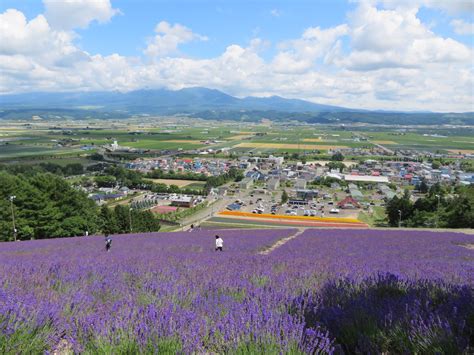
40, 139
322, 291
451, 144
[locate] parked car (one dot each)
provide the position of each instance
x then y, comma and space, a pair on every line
334, 210
312, 213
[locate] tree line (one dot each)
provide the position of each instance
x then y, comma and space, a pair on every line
47, 206
438, 208
172, 175
233, 174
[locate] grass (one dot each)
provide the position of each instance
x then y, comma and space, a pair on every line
22, 338
376, 219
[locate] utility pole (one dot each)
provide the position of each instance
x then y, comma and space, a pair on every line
130, 219
437, 211
399, 219
12, 198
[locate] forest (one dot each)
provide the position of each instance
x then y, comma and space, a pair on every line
438, 208
45, 205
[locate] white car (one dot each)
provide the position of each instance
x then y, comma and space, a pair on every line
334, 210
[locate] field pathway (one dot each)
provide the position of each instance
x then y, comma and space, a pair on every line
282, 242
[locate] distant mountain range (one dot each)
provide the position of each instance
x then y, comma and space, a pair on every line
201, 102
161, 101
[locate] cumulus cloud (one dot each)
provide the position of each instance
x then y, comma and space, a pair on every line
299, 55
382, 58
451, 7
462, 27
169, 37
70, 14
397, 38
36, 39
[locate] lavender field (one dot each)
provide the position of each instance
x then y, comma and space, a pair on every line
322, 292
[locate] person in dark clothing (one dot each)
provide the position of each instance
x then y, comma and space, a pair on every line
108, 242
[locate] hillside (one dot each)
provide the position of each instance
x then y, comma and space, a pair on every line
203, 103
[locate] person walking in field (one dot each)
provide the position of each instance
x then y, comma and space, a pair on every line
108, 242
219, 243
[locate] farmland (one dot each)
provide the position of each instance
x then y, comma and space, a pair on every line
171, 293
46, 139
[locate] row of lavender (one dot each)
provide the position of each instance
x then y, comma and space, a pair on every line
384, 291
170, 292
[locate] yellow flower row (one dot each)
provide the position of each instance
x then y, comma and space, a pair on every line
280, 216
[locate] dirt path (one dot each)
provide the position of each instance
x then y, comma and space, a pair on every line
282, 242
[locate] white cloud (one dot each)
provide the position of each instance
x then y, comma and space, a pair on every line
451, 7
462, 27
70, 14
169, 37
381, 58
298, 56
397, 38
275, 13
36, 40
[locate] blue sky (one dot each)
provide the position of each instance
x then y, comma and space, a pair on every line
370, 54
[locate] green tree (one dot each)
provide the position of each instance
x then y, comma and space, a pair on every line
336, 165
284, 197
396, 206
337, 156
105, 181
108, 221
423, 187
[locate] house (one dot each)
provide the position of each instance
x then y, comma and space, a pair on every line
348, 203
306, 195
387, 192
125, 190
234, 207
300, 184
101, 198
366, 178
255, 175
246, 183
182, 201
273, 184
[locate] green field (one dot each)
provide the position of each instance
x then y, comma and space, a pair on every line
42, 139
420, 142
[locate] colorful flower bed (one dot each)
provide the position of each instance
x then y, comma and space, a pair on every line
338, 220
358, 291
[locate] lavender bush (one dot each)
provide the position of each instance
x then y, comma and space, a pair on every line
171, 293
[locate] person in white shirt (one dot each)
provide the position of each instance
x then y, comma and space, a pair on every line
219, 243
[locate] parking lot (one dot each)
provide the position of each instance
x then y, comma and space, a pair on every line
260, 201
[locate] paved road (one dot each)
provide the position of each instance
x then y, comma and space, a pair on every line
214, 207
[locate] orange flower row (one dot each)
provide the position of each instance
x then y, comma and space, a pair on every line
301, 218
